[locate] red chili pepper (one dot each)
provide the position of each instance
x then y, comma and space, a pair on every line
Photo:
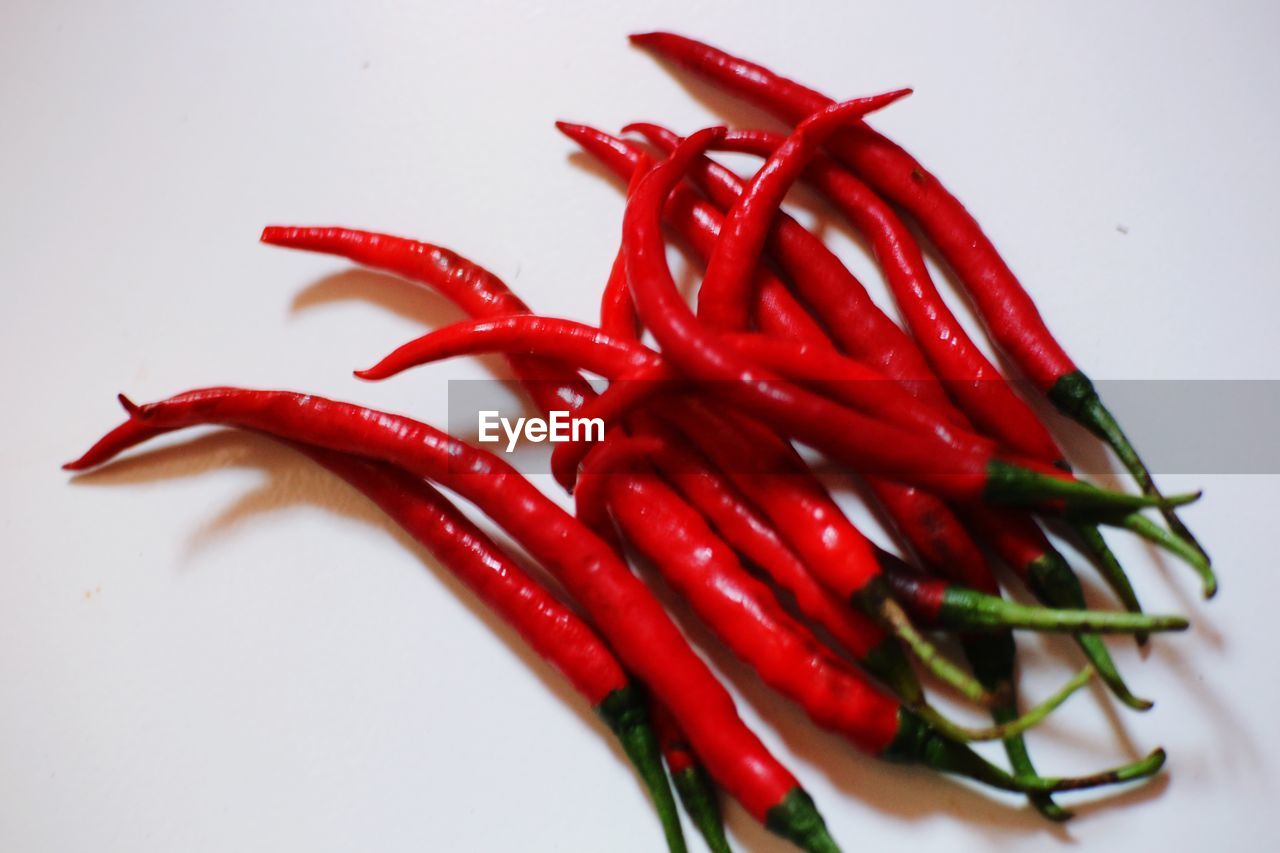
744, 614
868, 445
944, 543
550, 628
971, 379
699, 223
727, 189
470, 286
976, 385
553, 630
1009, 312
586, 347
618, 604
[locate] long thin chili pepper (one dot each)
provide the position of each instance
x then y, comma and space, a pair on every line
840, 378
1008, 310
588, 348
697, 791
480, 294
618, 604
698, 223
474, 289
709, 576
726, 189
550, 628
781, 650
755, 539
779, 314
976, 384
866, 444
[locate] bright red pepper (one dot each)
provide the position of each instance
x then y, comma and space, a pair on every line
618, 604
1009, 312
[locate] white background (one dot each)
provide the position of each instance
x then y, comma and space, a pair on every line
216, 648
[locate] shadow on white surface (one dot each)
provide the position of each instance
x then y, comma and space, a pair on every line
290, 480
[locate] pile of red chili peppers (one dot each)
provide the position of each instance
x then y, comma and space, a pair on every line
699, 475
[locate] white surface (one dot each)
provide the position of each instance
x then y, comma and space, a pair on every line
216, 648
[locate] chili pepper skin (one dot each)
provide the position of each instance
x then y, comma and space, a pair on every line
746, 616
698, 223
697, 791
976, 384
586, 347
549, 627
725, 298
618, 604
927, 523
855, 439
1009, 312
468, 285
821, 280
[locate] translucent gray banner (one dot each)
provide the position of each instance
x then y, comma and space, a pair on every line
1179, 426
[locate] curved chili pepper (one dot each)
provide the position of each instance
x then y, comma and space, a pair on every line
697, 791
473, 288
725, 299
557, 634
744, 614
976, 384
1009, 312
728, 189
588, 348
549, 627
618, 604
864, 443
698, 223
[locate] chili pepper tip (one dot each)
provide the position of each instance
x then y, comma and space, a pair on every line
273, 234
128, 405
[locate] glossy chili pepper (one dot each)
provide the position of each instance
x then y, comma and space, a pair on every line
591, 349
468, 285
618, 604
698, 223
553, 630
726, 188
744, 614
588, 348
1009, 312
866, 444
976, 385
696, 789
